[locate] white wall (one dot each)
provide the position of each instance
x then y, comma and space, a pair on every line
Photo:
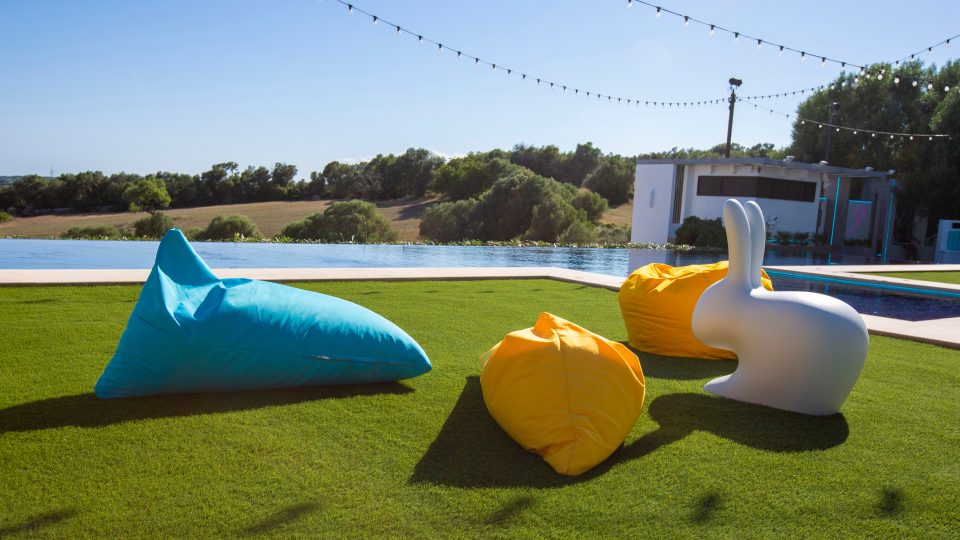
944, 255
791, 216
652, 203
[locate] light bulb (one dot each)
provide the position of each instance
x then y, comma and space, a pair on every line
854, 132
929, 51
823, 60
493, 67
929, 86
419, 39
838, 130
374, 20
914, 83
439, 47
856, 80
896, 80
713, 30
948, 46
781, 51
759, 43
686, 21
911, 137
874, 135
658, 11
629, 3
803, 56
736, 37
349, 8
398, 30
880, 76
931, 138
946, 88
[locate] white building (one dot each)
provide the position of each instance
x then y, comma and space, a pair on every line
850, 209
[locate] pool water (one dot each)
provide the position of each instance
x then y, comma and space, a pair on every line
30, 254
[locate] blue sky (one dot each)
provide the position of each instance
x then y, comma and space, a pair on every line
145, 85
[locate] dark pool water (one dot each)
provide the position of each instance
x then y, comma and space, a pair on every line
29, 254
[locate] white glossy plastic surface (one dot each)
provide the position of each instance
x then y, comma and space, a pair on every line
798, 351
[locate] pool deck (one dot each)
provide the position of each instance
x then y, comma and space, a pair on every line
945, 332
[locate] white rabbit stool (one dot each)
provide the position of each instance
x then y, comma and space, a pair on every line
798, 351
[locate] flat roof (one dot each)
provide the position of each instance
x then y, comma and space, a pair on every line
829, 169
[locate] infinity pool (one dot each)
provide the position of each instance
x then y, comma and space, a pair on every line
37, 254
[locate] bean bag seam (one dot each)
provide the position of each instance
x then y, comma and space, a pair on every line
566, 381
239, 349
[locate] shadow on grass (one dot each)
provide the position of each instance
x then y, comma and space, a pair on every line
281, 518
471, 450
510, 510
705, 508
31, 525
682, 369
86, 410
891, 501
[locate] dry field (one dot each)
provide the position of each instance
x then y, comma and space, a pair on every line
270, 217
619, 215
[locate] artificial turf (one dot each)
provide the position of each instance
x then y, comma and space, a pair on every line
940, 277
423, 457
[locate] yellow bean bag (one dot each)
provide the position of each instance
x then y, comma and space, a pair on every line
657, 303
563, 392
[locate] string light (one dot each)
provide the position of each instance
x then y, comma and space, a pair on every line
855, 131
658, 11
509, 71
713, 30
686, 21
420, 39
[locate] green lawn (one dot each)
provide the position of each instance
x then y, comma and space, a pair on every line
423, 457
940, 277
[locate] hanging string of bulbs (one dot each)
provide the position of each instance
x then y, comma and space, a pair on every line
781, 48
441, 47
854, 131
879, 74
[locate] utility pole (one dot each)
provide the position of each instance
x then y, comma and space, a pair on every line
833, 117
734, 84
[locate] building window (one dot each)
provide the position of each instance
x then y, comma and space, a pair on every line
677, 192
761, 187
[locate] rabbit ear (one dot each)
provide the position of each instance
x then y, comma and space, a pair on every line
738, 242
758, 240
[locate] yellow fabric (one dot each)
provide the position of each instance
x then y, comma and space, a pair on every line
657, 303
563, 392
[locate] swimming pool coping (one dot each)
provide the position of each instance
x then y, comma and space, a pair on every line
944, 332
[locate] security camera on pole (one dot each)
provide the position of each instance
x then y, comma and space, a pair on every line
734, 84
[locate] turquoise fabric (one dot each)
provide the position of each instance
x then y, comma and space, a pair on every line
193, 332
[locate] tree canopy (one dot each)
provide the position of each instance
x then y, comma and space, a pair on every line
928, 171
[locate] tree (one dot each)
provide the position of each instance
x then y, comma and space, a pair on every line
343, 221
927, 170
466, 177
613, 180
147, 195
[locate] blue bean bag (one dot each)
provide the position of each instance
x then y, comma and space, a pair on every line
193, 332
